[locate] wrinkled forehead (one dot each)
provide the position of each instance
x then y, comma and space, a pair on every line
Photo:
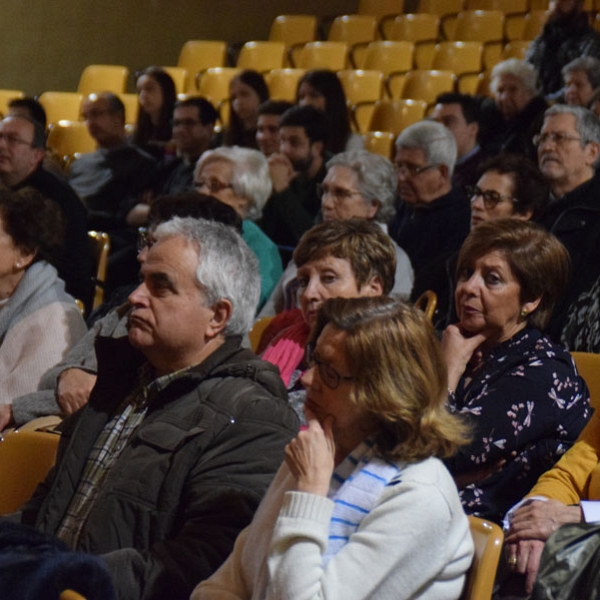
564, 123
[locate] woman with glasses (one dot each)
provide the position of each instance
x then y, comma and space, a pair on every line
520, 391
348, 258
508, 186
239, 177
362, 506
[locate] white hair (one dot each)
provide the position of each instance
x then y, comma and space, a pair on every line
435, 141
227, 268
525, 72
250, 177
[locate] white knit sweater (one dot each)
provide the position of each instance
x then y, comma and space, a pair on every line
414, 544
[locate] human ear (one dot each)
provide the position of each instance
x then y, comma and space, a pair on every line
222, 310
373, 287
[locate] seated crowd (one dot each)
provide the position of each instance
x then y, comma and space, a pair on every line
343, 460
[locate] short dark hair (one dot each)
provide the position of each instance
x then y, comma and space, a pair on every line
35, 223
197, 206
537, 259
274, 107
309, 118
468, 104
115, 104
206, 111
39, 133
32, 106
531, 188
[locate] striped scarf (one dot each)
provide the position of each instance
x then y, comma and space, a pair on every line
356, 485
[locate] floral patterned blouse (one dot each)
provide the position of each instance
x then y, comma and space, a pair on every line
527, 405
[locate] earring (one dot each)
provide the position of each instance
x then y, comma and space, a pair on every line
523, 312
18, 265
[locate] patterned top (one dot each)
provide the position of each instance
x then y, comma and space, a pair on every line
527, 405
582, 329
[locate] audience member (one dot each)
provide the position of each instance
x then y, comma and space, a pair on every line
358, 185
30, 108
323, 90
460, 114
183, 430
22, 150
295, 172
267, 128
110, 179
157, 97
567, 35
432, 219
568, 153
581, 332
582, 78
247, 91
345, 515
65, 388
509, 186
521, 392
239, 177
193, 129
39, 322
514, 115
567, 493
334, 259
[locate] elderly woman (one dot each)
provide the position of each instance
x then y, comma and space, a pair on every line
358, 185
515, 114
240, 178
521, 392
39, 321
508, 186
582, 78
346, 258
345, 517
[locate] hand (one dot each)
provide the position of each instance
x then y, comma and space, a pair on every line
6, 416
528, 554
458, 348
310, 456
538, 520
73, 389
281, 171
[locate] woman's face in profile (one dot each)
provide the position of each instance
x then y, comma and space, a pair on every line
310, 96
488, 298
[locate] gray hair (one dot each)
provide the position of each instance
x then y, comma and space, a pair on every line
227, 268
589, 65
586, 122
250, 177
525, 72
435, 140
376, 179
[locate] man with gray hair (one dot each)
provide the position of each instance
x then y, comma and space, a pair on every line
183, 431
432, 218
568, 149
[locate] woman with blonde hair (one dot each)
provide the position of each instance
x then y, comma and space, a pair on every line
344, 517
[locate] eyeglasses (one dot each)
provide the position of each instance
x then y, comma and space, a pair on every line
329, 376
213, 185
556, 138
409, 170
491, 198
13, 140
144, 239
185, 122
338, 194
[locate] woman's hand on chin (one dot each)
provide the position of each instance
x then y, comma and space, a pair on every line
310, 456
458, 348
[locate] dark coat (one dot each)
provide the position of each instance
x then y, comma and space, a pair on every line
188, 480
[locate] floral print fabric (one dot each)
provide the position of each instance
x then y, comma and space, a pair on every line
527, 405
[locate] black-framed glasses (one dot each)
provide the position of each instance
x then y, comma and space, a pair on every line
491, 198
558, 138
185, 122
412, 170
329, 376
13, 140
338, 194
144, 239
